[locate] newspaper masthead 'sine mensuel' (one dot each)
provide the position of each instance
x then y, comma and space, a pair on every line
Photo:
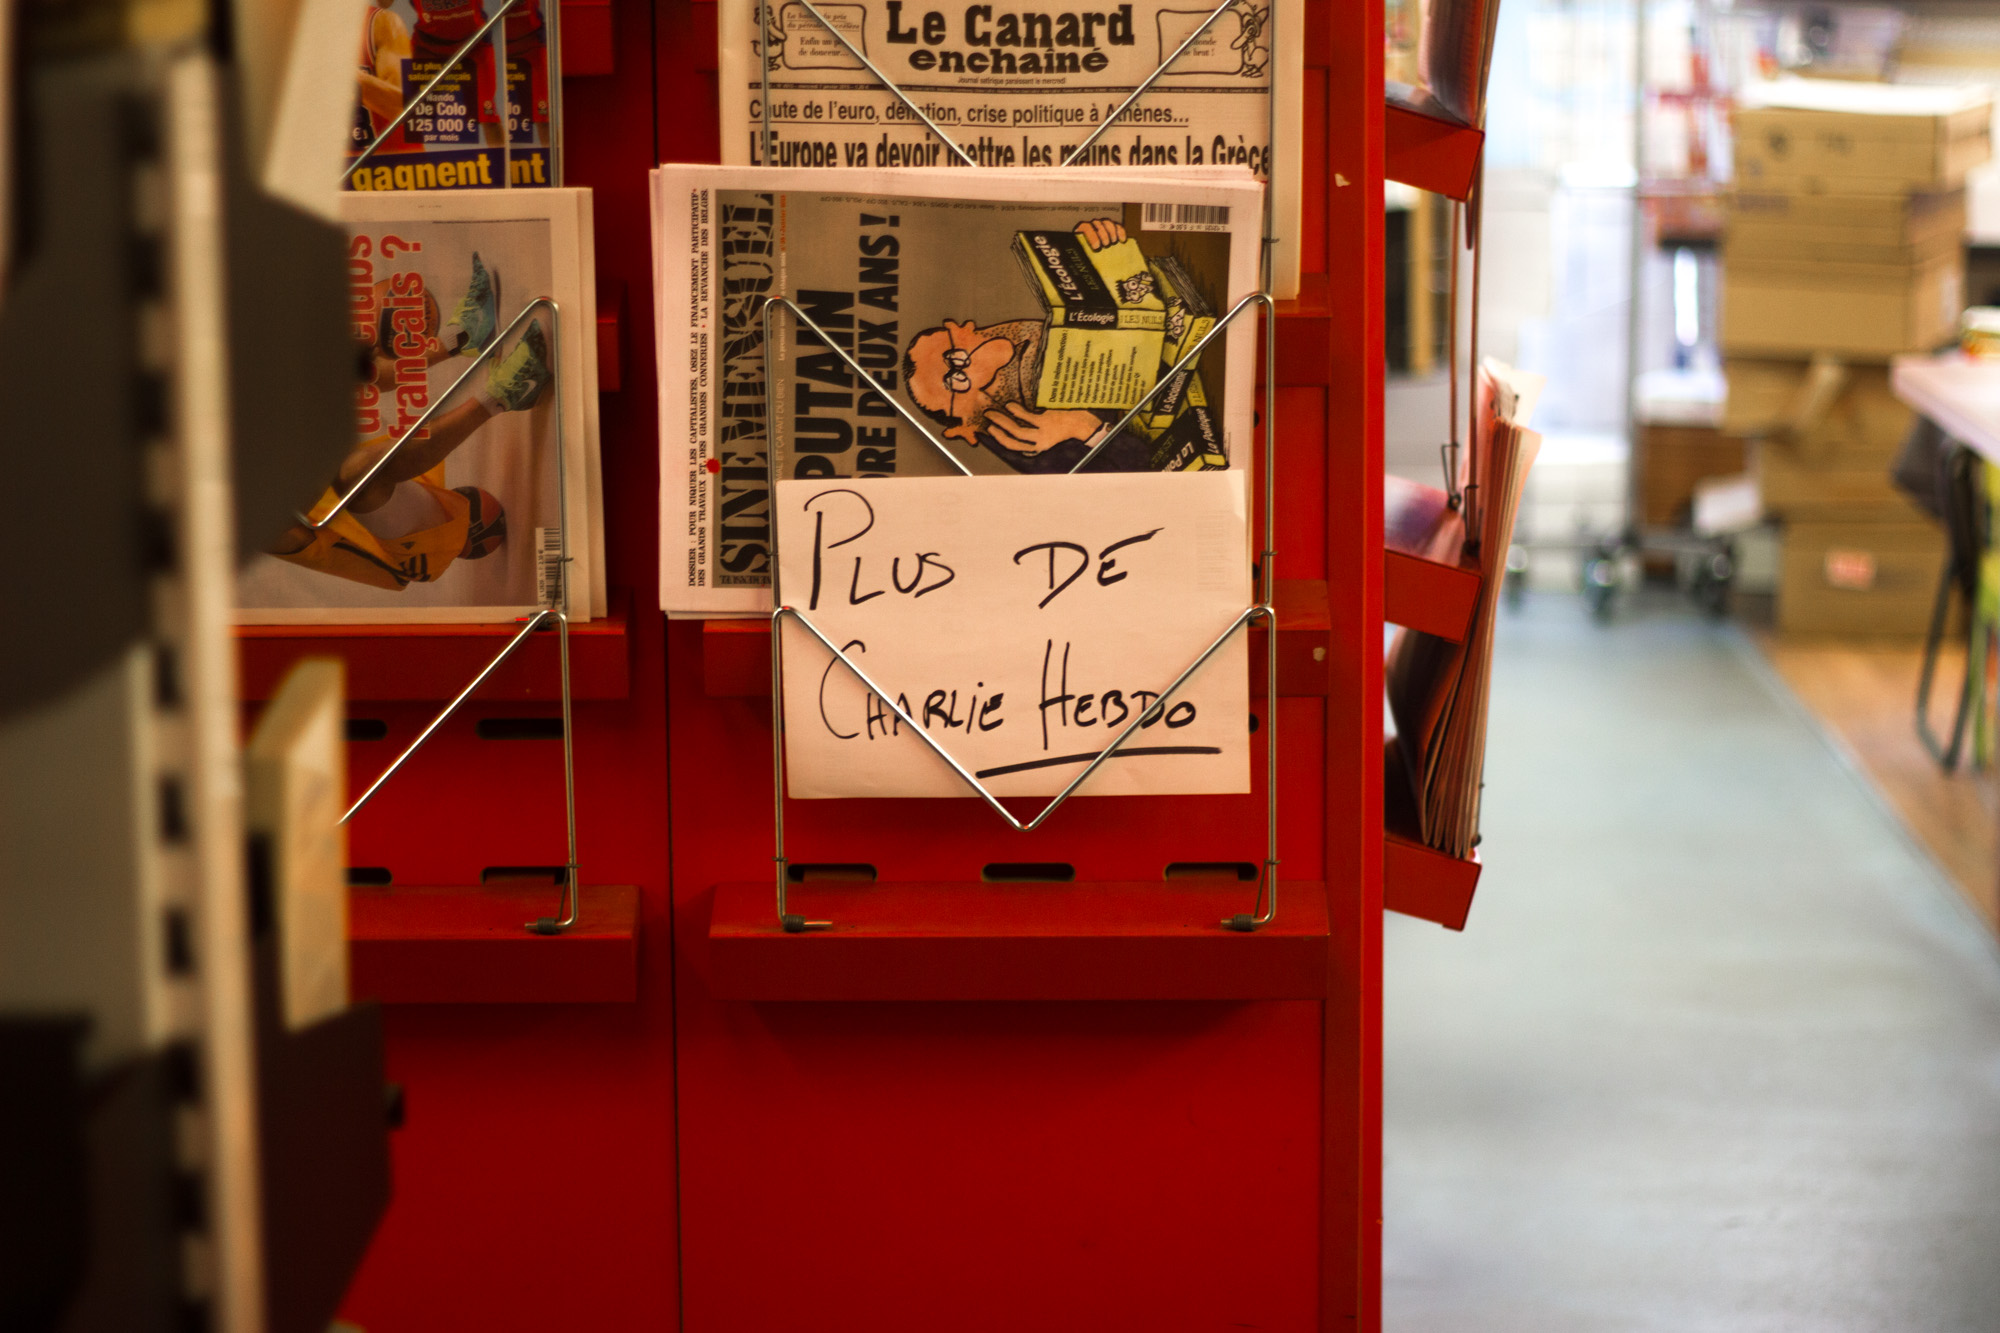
1018, 315
1016, 88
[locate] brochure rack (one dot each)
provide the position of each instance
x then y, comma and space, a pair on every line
1259, 612
555, 612
1011, 1086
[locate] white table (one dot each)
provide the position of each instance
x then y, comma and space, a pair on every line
1957, 392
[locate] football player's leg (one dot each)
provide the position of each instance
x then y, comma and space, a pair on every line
486, 523
447, 430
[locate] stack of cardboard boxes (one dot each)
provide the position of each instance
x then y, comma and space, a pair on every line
1844, 248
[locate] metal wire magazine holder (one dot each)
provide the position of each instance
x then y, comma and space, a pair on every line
555, 609
1266, 904
494, 29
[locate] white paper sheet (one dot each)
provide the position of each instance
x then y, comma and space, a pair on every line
1024, 621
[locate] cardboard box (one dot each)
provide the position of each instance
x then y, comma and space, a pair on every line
1819, 136
1859, 579
1868, 312
1859, 229
1825, 408
1672, 459
1804, 490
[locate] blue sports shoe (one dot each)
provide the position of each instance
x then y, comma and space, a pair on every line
517, 379
478, 313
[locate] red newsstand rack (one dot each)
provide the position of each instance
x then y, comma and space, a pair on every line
1003, 1102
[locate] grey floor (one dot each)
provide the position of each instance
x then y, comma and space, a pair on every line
1718, 1050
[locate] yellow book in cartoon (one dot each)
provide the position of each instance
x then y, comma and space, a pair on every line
1106, 322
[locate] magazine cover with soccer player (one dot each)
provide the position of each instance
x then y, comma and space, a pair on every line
463, 136
1018, 316
462, 522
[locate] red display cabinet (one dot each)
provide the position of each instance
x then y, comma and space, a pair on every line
1028, 1082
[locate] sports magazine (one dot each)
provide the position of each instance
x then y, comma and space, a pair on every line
468, 134
461, 521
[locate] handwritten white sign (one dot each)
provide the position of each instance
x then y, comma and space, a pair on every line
1023, 622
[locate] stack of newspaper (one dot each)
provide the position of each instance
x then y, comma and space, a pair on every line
1127, 88
1438, 689
1005, 322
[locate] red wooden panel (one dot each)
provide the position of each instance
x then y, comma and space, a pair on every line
1315, 248
1304, 639
1304, 333
435, 662
993, 1168
468, 946
1073, 1164
703, 51
736, 658
539, 1133
736, 653
1351, 1253
1424, 147
610, 347
1158, 941
1429, 583
1303, 456
1418, 881
588, 44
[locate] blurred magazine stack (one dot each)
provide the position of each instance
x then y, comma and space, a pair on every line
464, 521
1019, 316
1453, 56
1438, 689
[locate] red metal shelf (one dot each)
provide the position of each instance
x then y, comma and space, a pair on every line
1420, 882
407, 663
1425, 146
1115, 941
1417, 880
1429, 583
736, 653
1305, 333
469, 946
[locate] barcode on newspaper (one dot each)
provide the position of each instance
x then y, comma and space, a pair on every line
548, 564
1185, 217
